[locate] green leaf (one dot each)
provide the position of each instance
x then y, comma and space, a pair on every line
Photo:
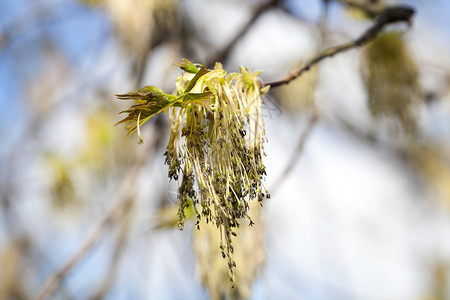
151, 101
202, 99
197, 76
187, 66
147, 93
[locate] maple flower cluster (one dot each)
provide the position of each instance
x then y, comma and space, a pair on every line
216, 144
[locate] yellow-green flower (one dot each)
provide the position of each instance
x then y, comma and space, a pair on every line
216, 143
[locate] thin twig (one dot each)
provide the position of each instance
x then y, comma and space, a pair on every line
298, 150
312, 121
322, 25
117, 255
224, 53
391, 15
124, 197
55, 279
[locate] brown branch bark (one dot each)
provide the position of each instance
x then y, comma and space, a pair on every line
401, 13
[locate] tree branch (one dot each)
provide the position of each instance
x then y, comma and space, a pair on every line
314, 115
121, 242
125, 195
55, 279
391, 15
311, 122
224, 53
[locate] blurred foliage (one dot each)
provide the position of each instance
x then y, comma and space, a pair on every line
104, 146
439, 281
63, 191
167, 216
142, 23
392, 81
362, 9
102, 152
298, 96
249, 254
12, 270
433, 163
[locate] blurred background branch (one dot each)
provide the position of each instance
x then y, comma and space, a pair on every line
125, 196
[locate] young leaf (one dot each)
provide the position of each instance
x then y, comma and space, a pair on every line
151, 101
187, 65
202, 99
194, 80
147, 93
